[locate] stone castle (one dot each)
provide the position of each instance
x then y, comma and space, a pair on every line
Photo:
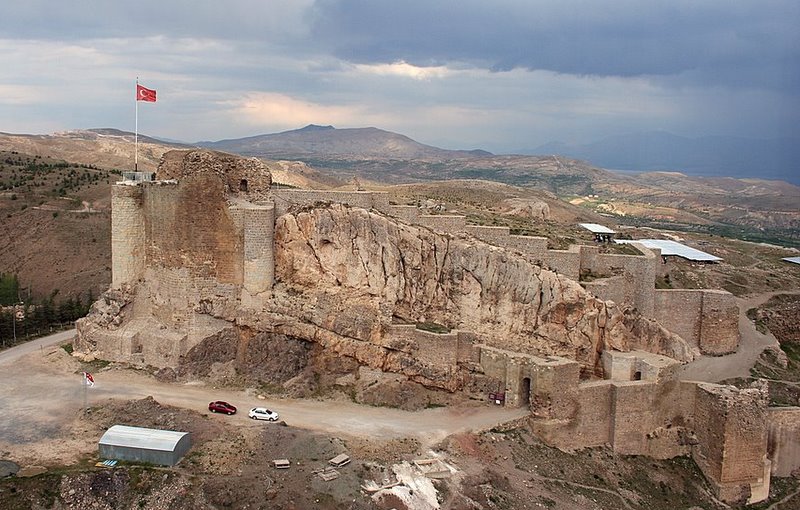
210, 248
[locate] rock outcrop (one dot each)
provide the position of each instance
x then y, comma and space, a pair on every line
535, 210
355, 271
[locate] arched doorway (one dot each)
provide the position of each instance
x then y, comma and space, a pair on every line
525, 392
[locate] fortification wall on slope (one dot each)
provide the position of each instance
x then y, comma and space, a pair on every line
287, 198
731, 450
724, 428
706, 318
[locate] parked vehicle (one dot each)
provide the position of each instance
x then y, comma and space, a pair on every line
220, 406
262, 413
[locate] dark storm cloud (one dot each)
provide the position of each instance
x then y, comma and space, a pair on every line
240, 20
724, 41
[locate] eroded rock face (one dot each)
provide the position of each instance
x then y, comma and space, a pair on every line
356, 270
248, 176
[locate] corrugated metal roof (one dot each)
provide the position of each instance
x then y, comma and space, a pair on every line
668, 247
596, 229
795, 260
139, 437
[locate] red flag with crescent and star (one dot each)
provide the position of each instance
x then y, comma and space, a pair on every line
145, 94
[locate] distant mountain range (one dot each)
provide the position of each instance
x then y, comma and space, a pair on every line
329, 142
710, 156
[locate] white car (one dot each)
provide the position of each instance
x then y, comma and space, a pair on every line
262, 413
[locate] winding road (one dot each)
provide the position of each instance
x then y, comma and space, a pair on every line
42, 386
751, 344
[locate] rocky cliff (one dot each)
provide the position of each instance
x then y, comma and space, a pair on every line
352, 272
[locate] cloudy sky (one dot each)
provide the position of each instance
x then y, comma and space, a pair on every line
503, 75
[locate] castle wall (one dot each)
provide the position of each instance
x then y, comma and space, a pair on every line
708, 319
286, 198
407, 213
637, 275
634, 416
437, 349
127, 234
443, 223
188, 225
533, 248
782, 440
719, 322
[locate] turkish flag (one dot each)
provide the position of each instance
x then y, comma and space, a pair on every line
145, 94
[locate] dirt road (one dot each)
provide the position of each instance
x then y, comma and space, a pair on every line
43, 391
751, 345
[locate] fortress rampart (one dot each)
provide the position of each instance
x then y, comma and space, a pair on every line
198, 250
723, 428
707, 319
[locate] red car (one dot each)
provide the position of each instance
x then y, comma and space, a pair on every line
221, 407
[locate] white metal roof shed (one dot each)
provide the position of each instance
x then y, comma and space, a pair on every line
675, 248
138, 444
595, 228
794, 260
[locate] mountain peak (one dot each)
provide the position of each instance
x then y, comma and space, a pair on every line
315, 127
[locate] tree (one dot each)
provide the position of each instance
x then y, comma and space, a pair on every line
9, 289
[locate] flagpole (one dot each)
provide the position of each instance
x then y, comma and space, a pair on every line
136, 134
84, 394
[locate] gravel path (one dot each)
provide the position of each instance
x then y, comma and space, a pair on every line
751, 345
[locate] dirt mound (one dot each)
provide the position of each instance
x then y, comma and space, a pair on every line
781, 315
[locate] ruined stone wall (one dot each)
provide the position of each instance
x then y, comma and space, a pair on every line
637, 272
708, 319
127, 234
443, 223
566, 262
188, 225
680, 308
618, 289
533, 248
286, 198
719, 322
407, 213
783, 442
436, 349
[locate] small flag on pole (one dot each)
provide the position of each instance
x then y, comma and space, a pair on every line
145, 94
88, 380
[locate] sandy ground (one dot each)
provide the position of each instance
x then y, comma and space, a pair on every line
43, 393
